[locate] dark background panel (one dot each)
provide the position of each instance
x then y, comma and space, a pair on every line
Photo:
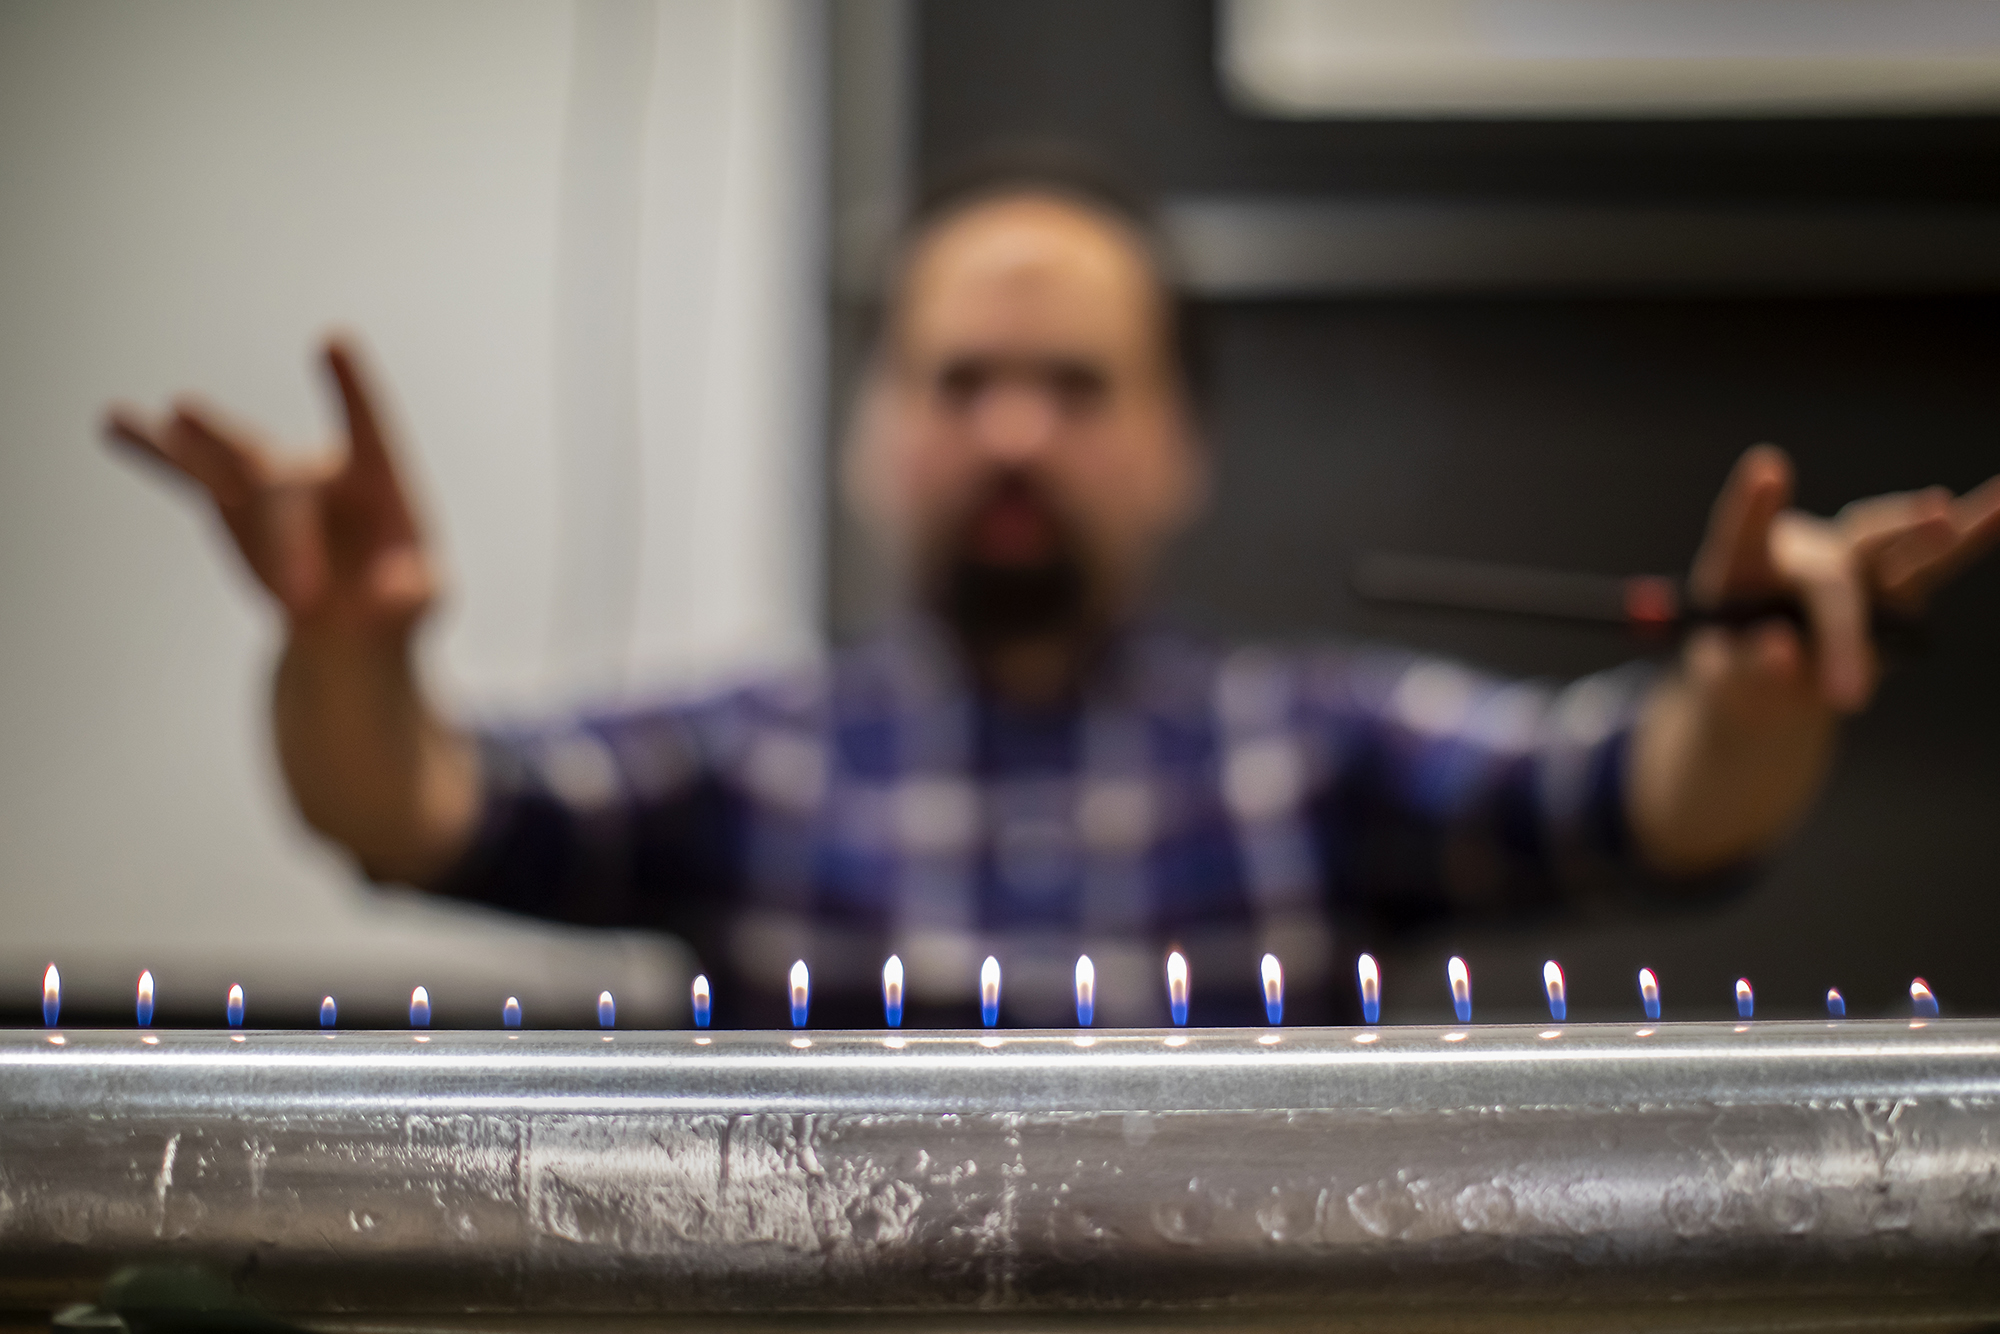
1593, 435
1585, 434
1588, 435
1137, 79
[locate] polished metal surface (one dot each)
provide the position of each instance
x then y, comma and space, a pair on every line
1685, 1176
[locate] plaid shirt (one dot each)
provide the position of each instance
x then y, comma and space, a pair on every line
1224, 804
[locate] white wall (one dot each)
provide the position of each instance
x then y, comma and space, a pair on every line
612, 414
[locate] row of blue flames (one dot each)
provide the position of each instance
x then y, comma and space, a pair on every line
1368, 976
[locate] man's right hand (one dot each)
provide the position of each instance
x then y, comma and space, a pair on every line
336, 541
334, 538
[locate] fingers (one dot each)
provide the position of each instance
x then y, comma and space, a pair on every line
291, 555
1909, 544
226, 457
401, 584
1905, 568
1842, 646
125, 425
372, 468
198, 442
1735, 555
1979, 508
1753, 673
1975, 517
357, 400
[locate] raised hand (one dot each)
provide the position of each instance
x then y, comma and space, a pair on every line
1730, 750
334, 538
1889, 552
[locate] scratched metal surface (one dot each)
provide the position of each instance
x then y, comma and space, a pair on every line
1681, 1176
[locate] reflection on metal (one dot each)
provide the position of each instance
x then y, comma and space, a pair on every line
1687, 1175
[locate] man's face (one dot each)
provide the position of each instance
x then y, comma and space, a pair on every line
1025, 442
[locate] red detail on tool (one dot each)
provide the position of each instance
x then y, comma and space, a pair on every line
1652, 604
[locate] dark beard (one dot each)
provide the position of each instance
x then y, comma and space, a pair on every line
989, 607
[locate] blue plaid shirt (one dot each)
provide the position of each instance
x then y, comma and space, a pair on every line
1222, 803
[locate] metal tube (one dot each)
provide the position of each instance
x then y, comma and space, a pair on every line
1687, 1175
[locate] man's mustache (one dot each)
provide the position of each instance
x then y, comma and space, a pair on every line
987, 602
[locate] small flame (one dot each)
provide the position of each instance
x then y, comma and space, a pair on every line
1922, 1000
420, 1008
801, 993
1746, 1001
700, 993
328, 1013
1371, 989
1649, 992
1274, 990
1836, 1004
510, 1013
989, 991
1552, 982
235, 1005
607, 1010
892, 991
1177, 987
1461, 988
51, 996
145, 1008
1086, 990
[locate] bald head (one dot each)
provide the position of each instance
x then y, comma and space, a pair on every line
1036, 255
1025, 442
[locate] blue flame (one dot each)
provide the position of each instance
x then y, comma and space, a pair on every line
892, 991
1371, 1011
420, 1008
328, 1013
510, 1013
607, 1010
51, 996
989, 992
1460, 979
236, 1007
1274, 1010
145, 1006
1086, 1010
1746, 1002
1923, 1000
801, 989
1558, 1008
701, 1001
1836, 1004
1653, 1008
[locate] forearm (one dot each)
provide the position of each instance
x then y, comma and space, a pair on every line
1713, 778
370, 764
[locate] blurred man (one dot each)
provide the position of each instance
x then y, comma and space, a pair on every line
1023, 766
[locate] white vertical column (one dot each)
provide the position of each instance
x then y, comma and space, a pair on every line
730, 340
596, 322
